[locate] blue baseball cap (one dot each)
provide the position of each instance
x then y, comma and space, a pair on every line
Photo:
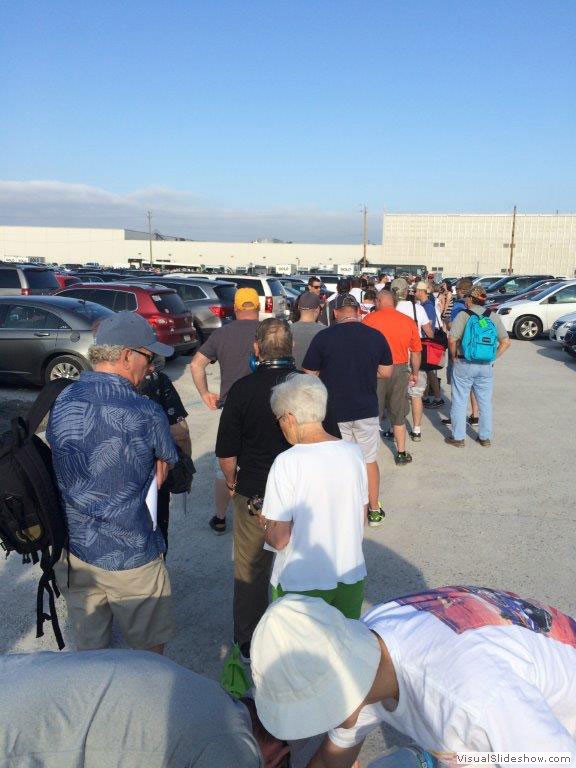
127, 329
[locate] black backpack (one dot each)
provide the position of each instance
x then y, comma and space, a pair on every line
32, 521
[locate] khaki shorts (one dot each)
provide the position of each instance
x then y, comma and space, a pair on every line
139, 599
393, 395
364, 432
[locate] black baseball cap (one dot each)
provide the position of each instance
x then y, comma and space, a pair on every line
346, 300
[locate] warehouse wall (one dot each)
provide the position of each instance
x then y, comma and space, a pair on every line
457, 244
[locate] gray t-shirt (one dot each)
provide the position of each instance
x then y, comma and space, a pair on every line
459, 323
118, 709
303, 333
231, 346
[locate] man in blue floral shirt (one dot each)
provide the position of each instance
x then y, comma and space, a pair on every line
108, 444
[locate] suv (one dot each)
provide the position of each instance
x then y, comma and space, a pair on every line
269, 289
211, 302
160, 306
27, 280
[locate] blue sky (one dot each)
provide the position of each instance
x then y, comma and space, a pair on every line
251, 119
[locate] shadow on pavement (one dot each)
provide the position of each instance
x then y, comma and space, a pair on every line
554, 351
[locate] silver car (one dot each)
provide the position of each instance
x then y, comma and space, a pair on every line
46, 337
27, 280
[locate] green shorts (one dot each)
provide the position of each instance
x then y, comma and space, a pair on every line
346, 597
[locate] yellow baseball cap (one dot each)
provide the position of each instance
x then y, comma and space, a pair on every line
246, 298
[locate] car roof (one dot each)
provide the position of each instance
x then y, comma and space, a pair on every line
25, 265
52, 302
189, 280
124, 286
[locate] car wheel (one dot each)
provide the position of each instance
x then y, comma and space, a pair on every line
527, 328
64, 367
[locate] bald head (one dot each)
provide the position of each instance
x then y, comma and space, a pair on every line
385, 299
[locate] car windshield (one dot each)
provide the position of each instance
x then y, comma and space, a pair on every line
225, 293
487, 282
90, 311
169, 303
275, 287
297, 287
41, 278
546, 292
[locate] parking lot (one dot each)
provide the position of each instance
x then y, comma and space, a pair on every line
502, 517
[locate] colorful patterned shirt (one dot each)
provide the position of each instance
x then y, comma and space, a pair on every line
105, 439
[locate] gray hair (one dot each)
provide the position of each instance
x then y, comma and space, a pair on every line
274, 339
104, 353
303, 395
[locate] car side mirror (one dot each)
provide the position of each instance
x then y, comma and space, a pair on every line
552, 300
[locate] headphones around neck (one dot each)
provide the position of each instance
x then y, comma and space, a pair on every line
279, 362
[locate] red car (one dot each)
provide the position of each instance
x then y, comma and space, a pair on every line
160, 306
65, 281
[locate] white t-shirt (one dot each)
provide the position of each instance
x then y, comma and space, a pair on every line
477, 670
322, 488
407, 308
358, 293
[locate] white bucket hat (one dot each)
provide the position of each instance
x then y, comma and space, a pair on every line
312, 667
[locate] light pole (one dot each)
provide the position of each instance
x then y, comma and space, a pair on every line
150, 235
364, 234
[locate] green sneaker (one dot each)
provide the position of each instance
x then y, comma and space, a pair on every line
402, 458
375, 517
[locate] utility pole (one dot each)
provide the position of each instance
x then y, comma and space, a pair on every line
365, 235
510, 270
150, 235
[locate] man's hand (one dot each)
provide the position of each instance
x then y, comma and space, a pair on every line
413, 379
162, 468
211, 400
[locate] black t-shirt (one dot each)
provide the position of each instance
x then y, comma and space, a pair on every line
158, 387
248, 428
249, 431
347, 355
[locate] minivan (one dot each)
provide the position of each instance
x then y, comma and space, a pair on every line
27, 280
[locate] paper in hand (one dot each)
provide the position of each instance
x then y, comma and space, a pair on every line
152, 501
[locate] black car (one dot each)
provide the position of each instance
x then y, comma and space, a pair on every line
569, 341
46, 337
512, 285
494, 300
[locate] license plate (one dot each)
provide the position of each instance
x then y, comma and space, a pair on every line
187, 338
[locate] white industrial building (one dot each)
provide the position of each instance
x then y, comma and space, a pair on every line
450, 243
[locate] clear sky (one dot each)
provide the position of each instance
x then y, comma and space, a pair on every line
252, 119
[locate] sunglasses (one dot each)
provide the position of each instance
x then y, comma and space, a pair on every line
316, 287
148, 355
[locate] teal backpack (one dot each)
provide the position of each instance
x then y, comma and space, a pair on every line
480, 339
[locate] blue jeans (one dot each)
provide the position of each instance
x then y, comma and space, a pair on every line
480, 379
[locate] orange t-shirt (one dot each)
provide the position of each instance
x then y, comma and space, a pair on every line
399, 330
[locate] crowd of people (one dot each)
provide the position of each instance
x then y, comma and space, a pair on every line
304, 407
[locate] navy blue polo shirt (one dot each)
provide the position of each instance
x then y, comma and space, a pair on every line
347, 355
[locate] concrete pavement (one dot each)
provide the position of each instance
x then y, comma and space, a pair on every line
502, 517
